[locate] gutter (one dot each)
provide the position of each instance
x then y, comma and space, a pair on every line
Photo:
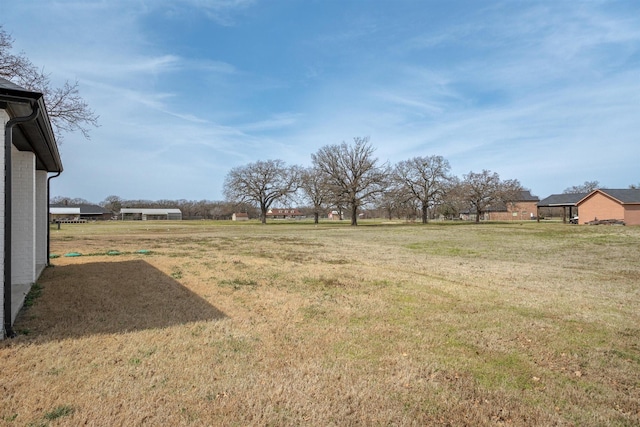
48, 210
8, 142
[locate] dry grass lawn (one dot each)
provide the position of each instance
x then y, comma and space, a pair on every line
293, 324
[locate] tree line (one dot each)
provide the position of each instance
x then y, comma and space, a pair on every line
349, 178
191, 209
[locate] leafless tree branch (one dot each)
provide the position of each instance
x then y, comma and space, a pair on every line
68, 111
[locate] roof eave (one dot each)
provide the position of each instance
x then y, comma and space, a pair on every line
38, 134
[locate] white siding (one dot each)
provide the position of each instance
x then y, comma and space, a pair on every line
23, 235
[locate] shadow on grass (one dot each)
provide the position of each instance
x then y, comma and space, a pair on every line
110, 297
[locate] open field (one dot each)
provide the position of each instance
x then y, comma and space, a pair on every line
293, 324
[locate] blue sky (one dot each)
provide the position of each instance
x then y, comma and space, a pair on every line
546, 92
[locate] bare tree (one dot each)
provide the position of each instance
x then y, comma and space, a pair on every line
63, 200
389, 203
453, 201
262, 182
67, 110
316, 189
587, 187
485, 189
423, 179
353, 173
112, 203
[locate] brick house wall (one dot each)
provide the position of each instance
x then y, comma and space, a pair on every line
599, 206
240, 216
522, 211
632, 215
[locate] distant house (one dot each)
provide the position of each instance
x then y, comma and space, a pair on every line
610, 204
30, 153
240, 216
523, 208
334, 216
78, 213
144, 214
286, 213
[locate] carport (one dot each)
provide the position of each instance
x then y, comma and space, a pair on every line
564, 201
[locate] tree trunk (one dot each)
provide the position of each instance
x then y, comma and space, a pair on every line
478, 213
315, 217
425, 213
354, 214
263, 214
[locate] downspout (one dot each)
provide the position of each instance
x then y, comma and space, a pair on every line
49, 210
8, 142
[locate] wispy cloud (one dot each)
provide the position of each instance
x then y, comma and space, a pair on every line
415, 105
222, 12
278, 121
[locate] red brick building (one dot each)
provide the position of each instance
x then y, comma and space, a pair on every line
524, 208
610, 204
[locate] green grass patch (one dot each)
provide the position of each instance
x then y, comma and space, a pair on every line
324, 282
34, 293
503, 371
238, 284
314, 311
10, 418
59, 412
626, 355
440, 249
176, 273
